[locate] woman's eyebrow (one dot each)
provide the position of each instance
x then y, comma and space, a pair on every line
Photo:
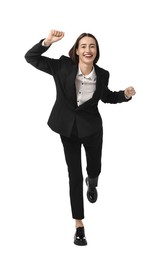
87, 44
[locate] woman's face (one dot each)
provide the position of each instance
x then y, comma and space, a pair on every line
87, 50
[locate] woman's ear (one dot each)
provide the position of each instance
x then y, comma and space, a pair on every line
77, 51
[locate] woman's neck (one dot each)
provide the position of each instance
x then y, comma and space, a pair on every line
86, 69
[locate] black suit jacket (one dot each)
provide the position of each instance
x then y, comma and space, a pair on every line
65, 110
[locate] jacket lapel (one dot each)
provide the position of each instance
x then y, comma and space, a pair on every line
70, 90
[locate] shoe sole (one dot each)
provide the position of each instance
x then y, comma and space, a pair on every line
80, 244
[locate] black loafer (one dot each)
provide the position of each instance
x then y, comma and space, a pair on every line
92, 193
79, 237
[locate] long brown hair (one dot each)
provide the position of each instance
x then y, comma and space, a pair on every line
72, 51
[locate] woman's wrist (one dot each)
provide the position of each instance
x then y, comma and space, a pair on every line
46, 43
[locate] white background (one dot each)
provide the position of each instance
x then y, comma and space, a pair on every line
35, 216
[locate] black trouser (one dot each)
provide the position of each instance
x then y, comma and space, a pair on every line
72, 149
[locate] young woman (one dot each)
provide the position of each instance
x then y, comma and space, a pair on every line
80, 84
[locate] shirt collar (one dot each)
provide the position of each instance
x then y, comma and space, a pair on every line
91, 75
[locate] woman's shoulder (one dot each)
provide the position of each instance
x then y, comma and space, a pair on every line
100, 70
66, 59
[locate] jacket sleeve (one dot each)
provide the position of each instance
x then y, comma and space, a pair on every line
35, 58
112, 97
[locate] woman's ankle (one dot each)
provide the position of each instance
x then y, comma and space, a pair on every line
79, 223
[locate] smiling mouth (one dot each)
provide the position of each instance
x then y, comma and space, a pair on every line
88, 55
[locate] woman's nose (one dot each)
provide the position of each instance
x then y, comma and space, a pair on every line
87, 49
